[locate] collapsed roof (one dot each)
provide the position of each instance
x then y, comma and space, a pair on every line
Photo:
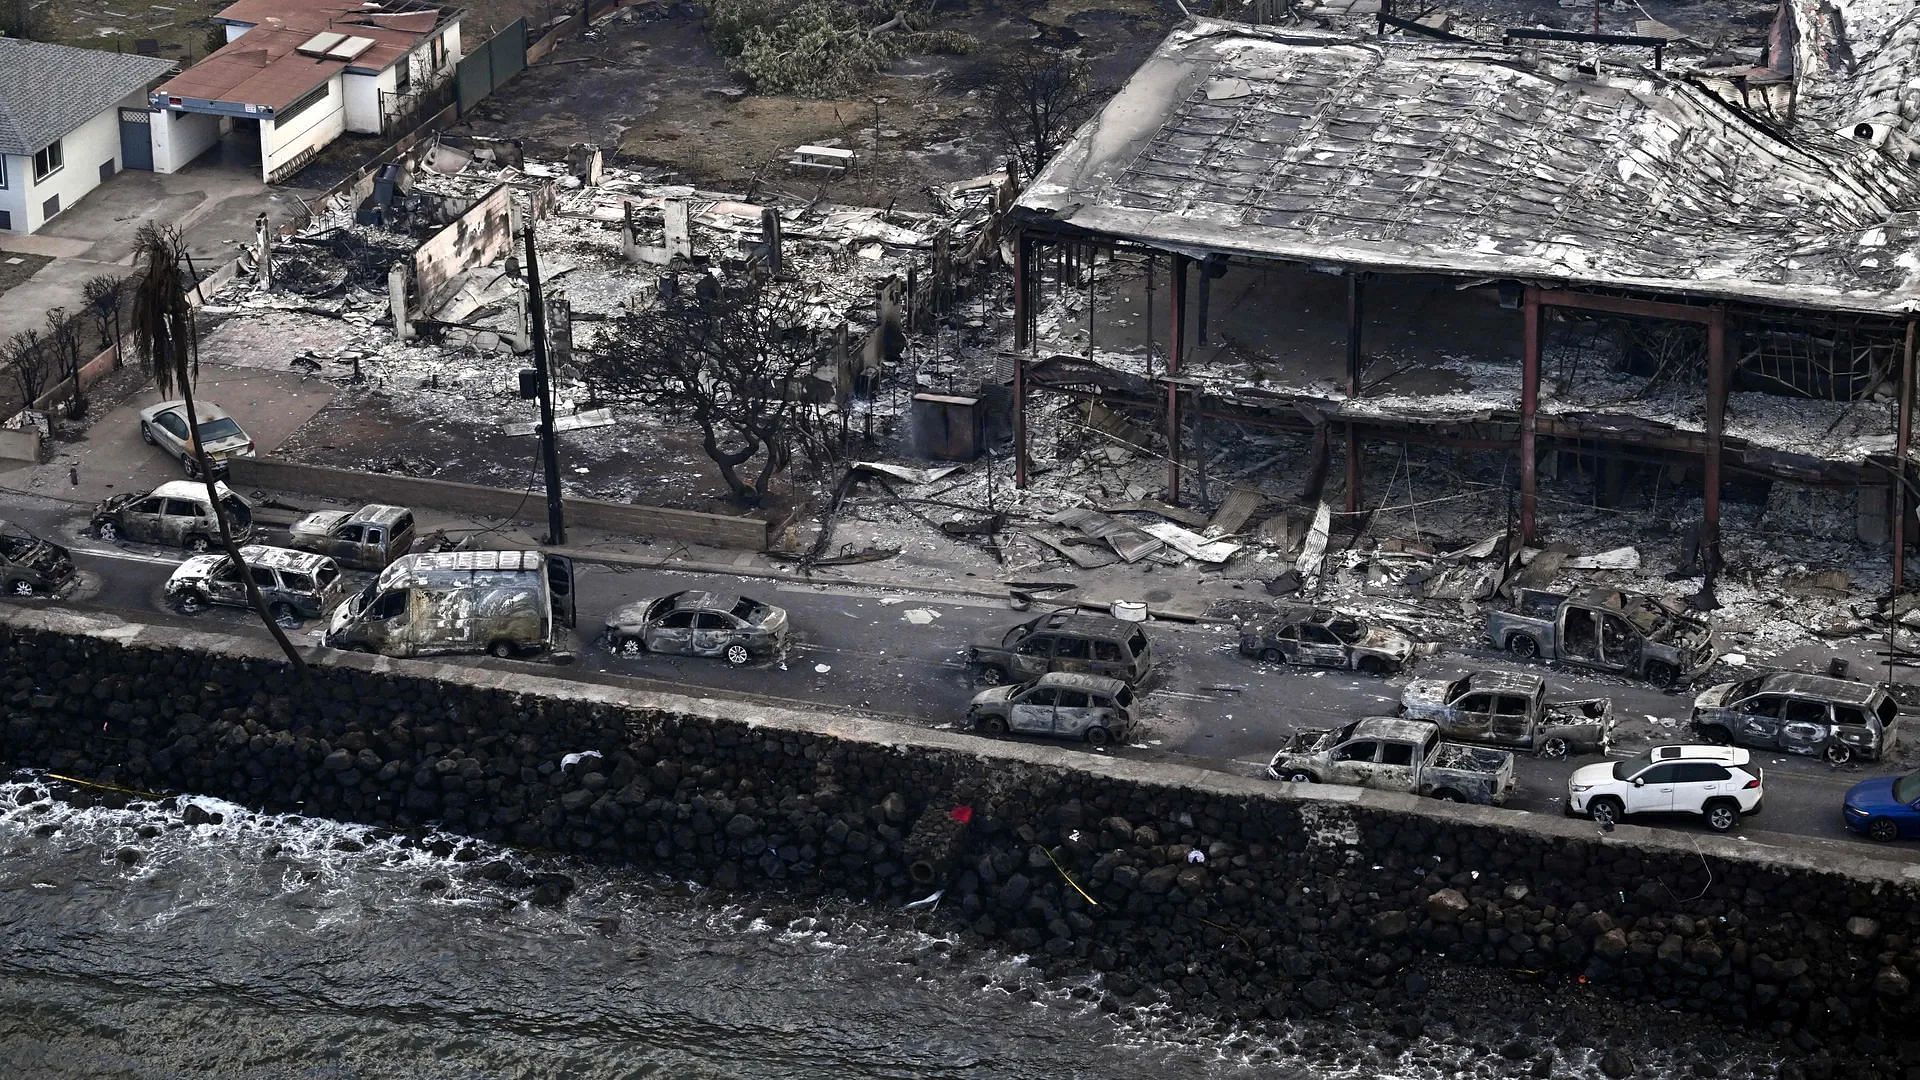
1468, 160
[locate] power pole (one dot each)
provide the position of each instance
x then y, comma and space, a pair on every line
543, 384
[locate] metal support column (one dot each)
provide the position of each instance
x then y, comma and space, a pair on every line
1529, 405
1022, 340
1902, 442
549, 439
1716, 426
1176, 352
1353, 391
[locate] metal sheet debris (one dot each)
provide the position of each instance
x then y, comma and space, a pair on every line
1191, 544
1127, 542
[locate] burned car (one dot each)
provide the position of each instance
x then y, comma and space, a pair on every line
1498, 708
1394, 754
294, 584
176, 513
30, 565
695, 623
1084, 644
1837, 719
366, 539
1321, 637
1090, 708
1641, 636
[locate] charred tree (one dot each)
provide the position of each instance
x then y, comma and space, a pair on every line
1036, 100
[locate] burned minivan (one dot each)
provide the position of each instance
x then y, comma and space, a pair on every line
504, 603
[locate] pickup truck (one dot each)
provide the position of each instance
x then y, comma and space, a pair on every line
1499, 708
367, 539
1640, 636
1393, 754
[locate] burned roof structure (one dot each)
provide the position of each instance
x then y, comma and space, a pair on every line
1765, 217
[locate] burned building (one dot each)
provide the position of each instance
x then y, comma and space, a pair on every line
1702, 275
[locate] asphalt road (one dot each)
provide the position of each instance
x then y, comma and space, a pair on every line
902, 655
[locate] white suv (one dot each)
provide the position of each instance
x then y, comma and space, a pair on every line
1713, 781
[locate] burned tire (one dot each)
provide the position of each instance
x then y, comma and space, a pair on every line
1555, 748
190, 466
988, 675
1523, 646
284, 614
1837, 753
1665, 676
1722, 816
1607, 811
198, 544
1098, 737
107, 531
146, 433
1373, 665
190, 601
994, 725
1883, 830
1273, 656
1301, 776
1717, 735
1449, 795
501, 650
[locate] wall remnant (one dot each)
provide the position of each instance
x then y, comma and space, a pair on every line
480, 236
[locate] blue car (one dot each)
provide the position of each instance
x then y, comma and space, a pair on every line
1885, 807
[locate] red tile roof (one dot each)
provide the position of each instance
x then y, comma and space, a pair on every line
263, 66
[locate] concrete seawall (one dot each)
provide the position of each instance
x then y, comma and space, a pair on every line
1236, 897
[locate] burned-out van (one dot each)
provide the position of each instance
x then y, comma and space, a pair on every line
506, 603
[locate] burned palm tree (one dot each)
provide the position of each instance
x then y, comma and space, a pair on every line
169, 349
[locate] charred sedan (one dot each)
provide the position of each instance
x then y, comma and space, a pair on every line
1091, 708
694, 623
1836, 719
30, 565
1320, 637
165, 426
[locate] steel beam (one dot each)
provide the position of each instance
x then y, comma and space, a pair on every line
1716, 319
1176, 355
1621, 305
1023, 340
1529, 407
1902, 442
1353, 391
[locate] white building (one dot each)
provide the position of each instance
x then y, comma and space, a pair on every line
62, 130
295, 75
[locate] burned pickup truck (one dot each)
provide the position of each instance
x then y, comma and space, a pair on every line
1641, 636
1393, 754
1498, 708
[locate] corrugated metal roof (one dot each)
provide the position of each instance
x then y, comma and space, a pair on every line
47, 91
1471, 160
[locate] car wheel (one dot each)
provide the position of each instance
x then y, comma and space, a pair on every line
107, 531
1448, 795
629, 646
1523, 646
1554, 748
1663, 675
502, 650
1883, 830
199, 545
1273, 656
190, 602
988, 675
994, 725
1838, 753
284, 614
737, 655
146, 433
1717, 735
1099, 736
20, 587
1722, 816
1301, 776
1373, 665
1607, 811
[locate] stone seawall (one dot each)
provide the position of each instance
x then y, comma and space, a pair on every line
1236, 897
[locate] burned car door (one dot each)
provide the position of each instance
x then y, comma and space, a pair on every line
1512, 716
1073, 713
1032, 711
1074, 654
672, 634
1471, 716
712, 633
347, 543
1619, 643
1111, 660
141, 520
1579, 634
1758, 720
1320, 648
179, 519
1353, 763
1393, 771
1032, 656
1805, 726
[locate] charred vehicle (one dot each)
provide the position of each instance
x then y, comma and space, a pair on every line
1836, 719
1082, 644
366, 539
294, 584
695, 623
176, 513
30, 565
1393, 754
1641, 636
499, 602
1497, 708
1319, 637
1093, 709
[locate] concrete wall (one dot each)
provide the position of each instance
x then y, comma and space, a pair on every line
20, 444
179, 137
625, 519
84, 150
480, 236
1230, 896
284, 149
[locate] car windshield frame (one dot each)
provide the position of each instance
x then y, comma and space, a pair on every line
1907, 788
220, 427
1627, 768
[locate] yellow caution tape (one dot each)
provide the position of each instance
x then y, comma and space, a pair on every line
1069, 877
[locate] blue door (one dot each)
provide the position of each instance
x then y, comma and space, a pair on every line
136, 139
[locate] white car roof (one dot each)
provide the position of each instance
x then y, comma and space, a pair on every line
1719, 755
189, 489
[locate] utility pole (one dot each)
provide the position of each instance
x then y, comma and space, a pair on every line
543, 383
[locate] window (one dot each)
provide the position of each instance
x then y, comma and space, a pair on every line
351, 534
49, 161
1702, 772
1073, 699
149, 506
328, 575
312, 98
263, 578
1661, 774
226, 572
403, 74
1072, 648
1318, 635
300, 583
1847, 714
1106, 650
1805, 712
1036, 645
3, 170
439, 51
174, 425
710, 620
1476, 703
1045, 696
182, 508
1356, 751
1396, 753
374, 536
389, 605
679, 620
1287, 633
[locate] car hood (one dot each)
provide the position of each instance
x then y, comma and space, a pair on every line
319, 523
629, 614
1873, 795
1599, 772
198, 568
1425, 692
1714, 696
994, 695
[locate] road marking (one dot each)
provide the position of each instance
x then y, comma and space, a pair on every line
126, 556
